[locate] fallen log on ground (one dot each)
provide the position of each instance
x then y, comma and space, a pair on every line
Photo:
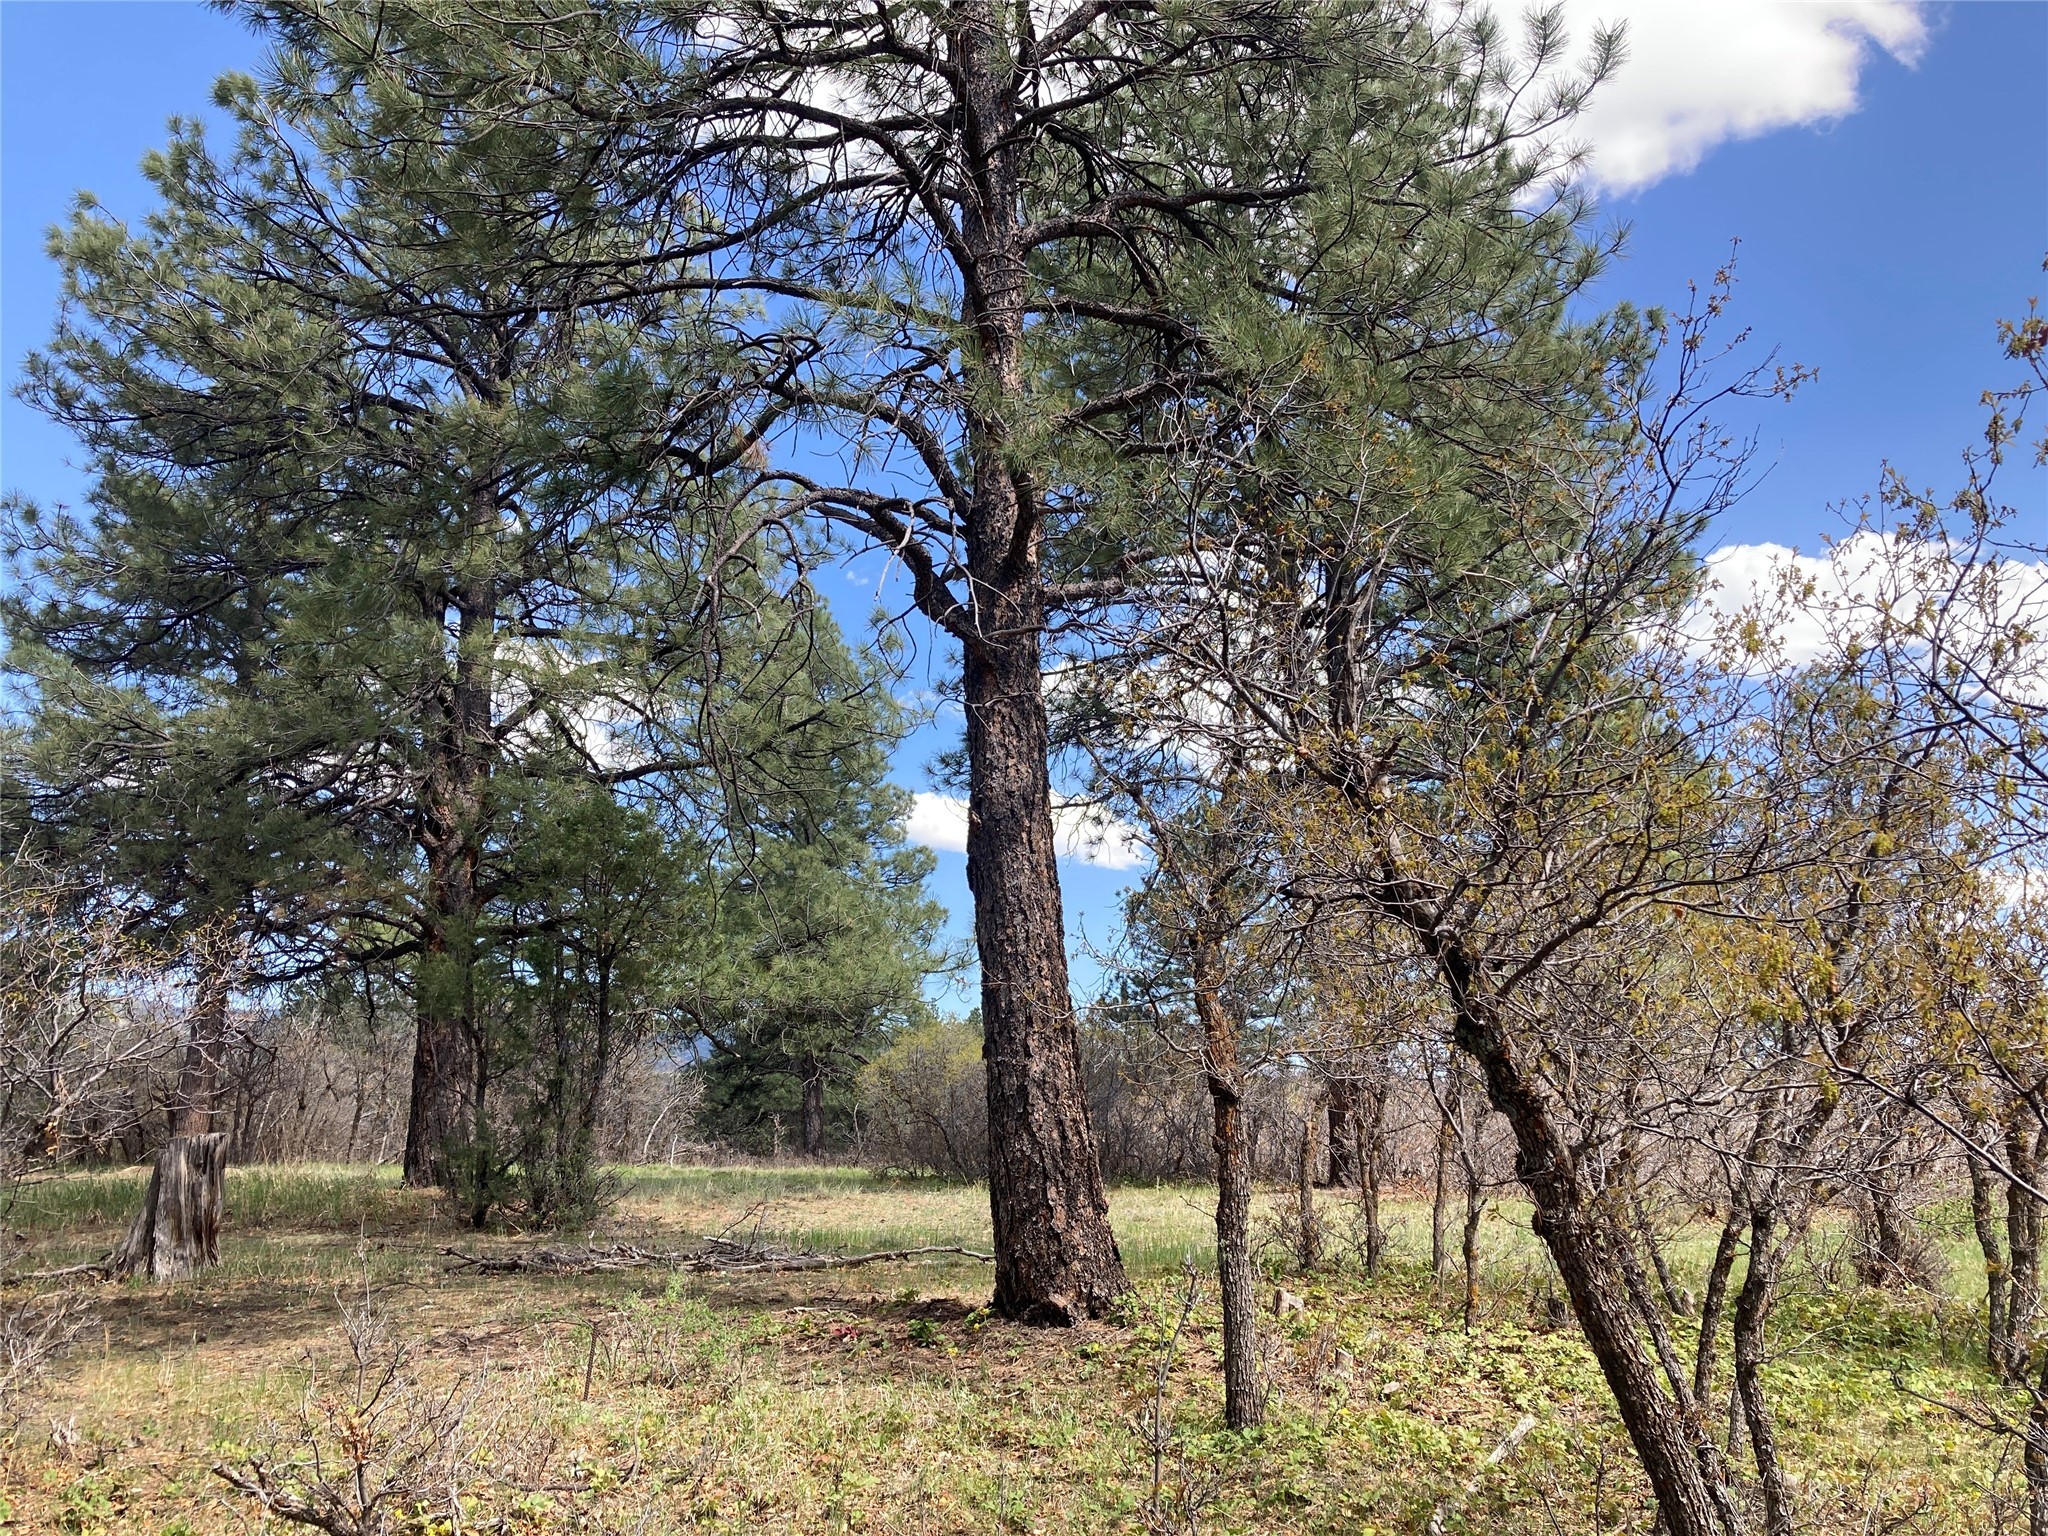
716, 1255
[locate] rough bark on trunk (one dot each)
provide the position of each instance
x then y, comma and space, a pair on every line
1586, 1241
1371, 1134
2023, 1234
199, 1074
445, 1070
1308, 1235
1244, 1398
177, 1231
1984, 1216
1341, 1111
435, 1121
1056, 1257
814, 1107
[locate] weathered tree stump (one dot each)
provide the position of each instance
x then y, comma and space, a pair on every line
177, 1231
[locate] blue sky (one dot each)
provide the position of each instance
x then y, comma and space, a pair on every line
1881, 163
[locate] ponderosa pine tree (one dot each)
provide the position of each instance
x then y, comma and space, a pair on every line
385, 517
999, 257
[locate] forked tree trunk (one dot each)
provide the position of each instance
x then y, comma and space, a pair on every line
177, 1231
1244, 1398
1887, 1261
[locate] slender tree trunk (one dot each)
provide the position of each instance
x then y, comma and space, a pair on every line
1440, 1203
1475, 1208
1984, 1216
1371, 1135
1588, 1245
1056, 1257
1308, 1251
1341, 1108
1244, 1399
2023, 1234
1714, 1298
1752, 1312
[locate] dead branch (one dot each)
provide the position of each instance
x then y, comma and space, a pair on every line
716, 1255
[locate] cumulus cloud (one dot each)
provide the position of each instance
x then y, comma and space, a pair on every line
1806, 603
1701, 72
1082, 832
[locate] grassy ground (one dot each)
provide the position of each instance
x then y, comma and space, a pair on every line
884, 1399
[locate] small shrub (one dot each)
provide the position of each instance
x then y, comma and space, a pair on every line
924, 1104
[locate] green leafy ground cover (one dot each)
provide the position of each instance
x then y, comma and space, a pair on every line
886, 1399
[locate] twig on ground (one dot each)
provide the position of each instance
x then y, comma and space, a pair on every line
1500, 1454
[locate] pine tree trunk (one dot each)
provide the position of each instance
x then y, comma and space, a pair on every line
177, 1231
435, 1121
448, 1071
814, 1107
1056, 1258
1341, 1106
199, 1075
1244, 1398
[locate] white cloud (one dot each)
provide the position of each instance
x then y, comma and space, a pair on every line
1701, 72
937, 821
1082, 832
1809, 604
